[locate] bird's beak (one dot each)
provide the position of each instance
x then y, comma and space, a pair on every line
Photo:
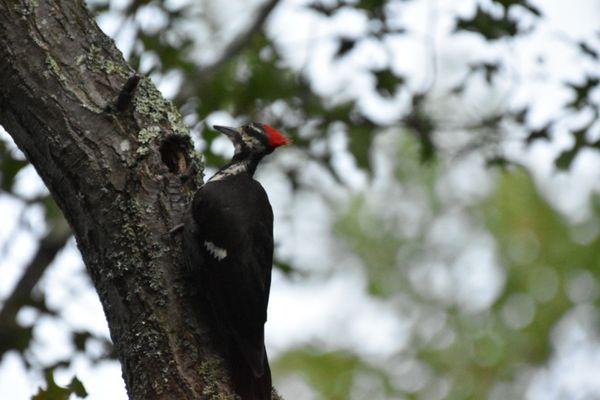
231, 133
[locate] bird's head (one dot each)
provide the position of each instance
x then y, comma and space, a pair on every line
254, 138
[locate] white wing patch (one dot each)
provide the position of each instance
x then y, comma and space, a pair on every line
214, 250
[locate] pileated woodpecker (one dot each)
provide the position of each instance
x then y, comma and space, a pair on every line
228, 246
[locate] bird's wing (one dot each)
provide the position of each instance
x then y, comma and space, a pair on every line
234, 239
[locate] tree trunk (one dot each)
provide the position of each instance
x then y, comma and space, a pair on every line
116, 157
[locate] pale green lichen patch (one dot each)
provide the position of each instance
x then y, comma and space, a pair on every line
29, 7
151, 108
149, 102
95, 61
54, 68
80, 59
38, 41
145, 137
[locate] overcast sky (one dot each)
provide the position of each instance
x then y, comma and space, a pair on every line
331, 309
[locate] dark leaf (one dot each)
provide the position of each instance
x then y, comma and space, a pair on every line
283, 267
346, 44
506, 4
374, 8
428, 148
565, 159
53, 212
488, 68
327, 11
39, 303
537, 134
97, 7
361, 139
533, 9
458, 89
488, 26
579, 136
80, 338
588, 50
423, 126
387, 82
55, 392
9, 167
492, 121
77, 388
520, 116
582, 92
497, 161
15, 337
370, 4
287, 269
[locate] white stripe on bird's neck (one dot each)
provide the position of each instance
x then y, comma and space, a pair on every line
234, 169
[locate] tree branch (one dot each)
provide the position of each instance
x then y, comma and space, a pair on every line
50, 245
112, 175
237, 45
244, 38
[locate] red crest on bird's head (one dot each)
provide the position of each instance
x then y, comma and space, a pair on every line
276, 138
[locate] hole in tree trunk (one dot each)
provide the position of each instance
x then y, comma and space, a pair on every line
173, 151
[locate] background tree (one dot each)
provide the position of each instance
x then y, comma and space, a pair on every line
478, 286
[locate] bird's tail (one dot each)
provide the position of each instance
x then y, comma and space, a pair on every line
247, 383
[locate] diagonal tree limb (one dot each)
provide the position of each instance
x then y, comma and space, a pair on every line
237, 45
49, 246
244, 38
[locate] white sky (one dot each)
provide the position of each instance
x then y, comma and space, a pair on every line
336, 311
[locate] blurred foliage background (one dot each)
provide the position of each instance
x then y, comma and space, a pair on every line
439, 208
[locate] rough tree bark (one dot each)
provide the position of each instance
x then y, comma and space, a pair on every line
118, 167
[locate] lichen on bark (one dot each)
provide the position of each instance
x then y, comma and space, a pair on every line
122, 179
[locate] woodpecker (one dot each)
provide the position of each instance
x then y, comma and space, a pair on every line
228, 247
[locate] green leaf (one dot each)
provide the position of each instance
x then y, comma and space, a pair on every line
361, 139
331, 374
346, 44
9, 167
326, 10
370, 4
284, 267
79, 339
497, 161
582, 92
488, 26
565, 159
540, 133
423, 126
76, 387
387, 82
489, 69
506, 4
15, 337
55, 392
520, 116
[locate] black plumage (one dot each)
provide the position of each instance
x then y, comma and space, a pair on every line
228, 245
